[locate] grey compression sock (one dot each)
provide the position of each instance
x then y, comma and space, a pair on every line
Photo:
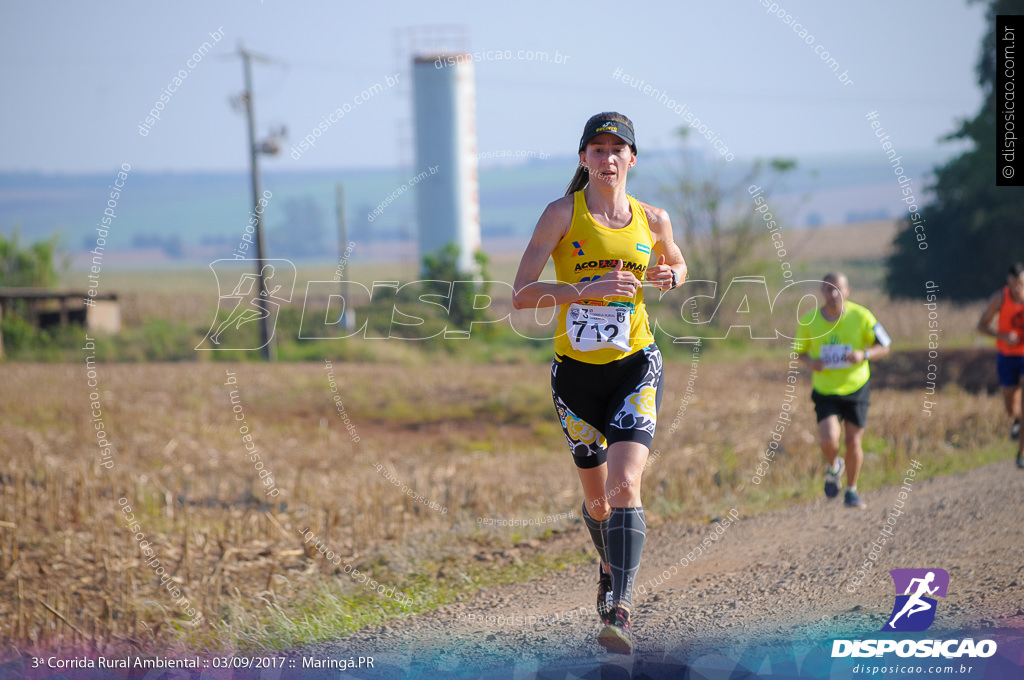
598, 530
627, 530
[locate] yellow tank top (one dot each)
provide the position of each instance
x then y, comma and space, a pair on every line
586, 252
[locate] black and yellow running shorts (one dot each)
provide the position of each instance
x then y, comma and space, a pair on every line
600, 404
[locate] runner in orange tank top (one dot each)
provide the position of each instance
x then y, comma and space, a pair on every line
1007, 308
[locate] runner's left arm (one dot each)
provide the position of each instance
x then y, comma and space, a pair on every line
670, 270
878, 349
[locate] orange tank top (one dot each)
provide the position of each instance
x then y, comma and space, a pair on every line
1011, 318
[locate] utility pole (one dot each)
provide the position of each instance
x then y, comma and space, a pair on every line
347, 317
269, 147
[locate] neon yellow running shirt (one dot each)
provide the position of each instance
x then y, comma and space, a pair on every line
830, 340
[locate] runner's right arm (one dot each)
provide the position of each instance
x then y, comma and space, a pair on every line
813, 364
802, 345
528, 293
989, 315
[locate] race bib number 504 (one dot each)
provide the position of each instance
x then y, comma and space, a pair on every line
834, 356
593, 327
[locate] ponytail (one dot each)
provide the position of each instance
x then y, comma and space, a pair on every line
579, 180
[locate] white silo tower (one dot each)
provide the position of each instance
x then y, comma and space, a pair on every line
448, 202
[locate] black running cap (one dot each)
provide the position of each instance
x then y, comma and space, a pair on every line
600, 126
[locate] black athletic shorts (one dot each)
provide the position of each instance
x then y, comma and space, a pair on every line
851, 407
600, 404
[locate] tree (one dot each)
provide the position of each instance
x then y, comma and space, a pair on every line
28, 266
442, 267
972, 227
719, 240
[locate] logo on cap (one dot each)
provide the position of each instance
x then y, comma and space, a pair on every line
608, 126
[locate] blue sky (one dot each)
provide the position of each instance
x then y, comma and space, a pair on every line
80, 77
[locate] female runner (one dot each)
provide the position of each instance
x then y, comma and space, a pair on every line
606, 376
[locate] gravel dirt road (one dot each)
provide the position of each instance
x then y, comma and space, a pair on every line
790, 575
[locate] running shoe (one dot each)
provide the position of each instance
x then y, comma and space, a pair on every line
616, 637
1015, 429
852, 500
605, 606
1020, 460
832, 478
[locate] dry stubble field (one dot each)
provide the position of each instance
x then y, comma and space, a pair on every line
476, 441
480, 442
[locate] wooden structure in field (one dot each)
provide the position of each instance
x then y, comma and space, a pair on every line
48, 308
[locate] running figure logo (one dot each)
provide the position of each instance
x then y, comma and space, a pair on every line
914, 610
246, 304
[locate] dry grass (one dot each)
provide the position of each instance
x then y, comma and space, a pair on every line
863, 240
478, 440
181, 465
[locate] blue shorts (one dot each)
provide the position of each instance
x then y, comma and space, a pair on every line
1009, 368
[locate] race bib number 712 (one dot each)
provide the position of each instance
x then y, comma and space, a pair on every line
593, 327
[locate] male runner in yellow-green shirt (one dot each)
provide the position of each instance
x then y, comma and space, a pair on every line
837, 341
